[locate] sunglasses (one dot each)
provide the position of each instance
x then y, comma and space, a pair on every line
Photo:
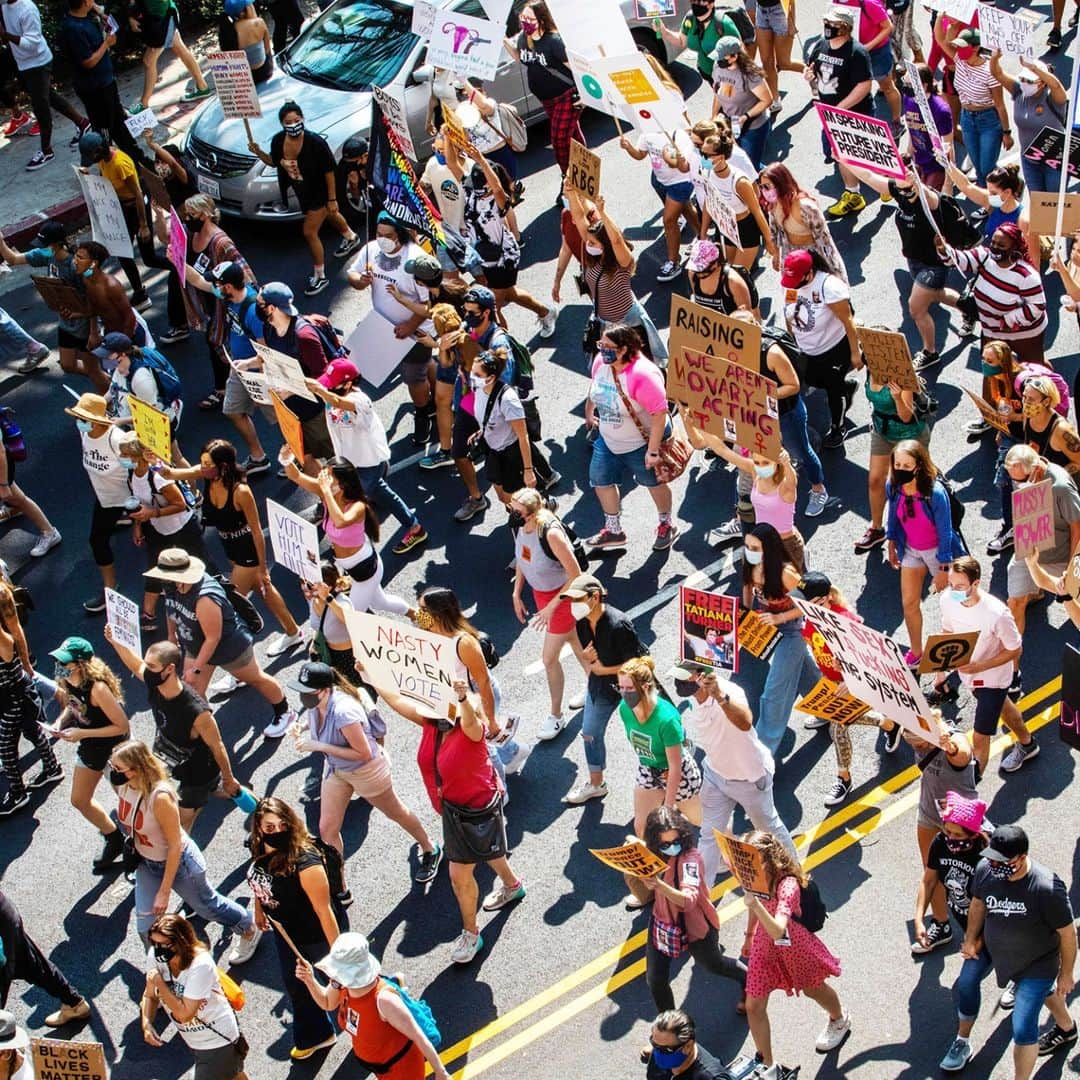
663, 1046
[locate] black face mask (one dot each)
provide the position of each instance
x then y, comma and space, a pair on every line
154, 679
515, 520
311, 700
276, 841
903, 476
686, 687
830, 32
478, 180
117, 778
473, 319
163, 953
701, 10
263, 311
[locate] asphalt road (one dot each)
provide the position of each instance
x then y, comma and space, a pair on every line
558, 990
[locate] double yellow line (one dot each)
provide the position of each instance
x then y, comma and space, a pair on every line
615, 955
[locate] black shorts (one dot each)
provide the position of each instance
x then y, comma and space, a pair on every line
67, 340
989, 701
241, 552
501, 277
473, 836
316, 437
505, 467
195, 795
464, 426
94, 753
749, 233
158, 33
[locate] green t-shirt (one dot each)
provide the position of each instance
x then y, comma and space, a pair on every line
704, 41
651, 739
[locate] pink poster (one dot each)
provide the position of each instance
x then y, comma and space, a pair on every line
178, 244
862, 141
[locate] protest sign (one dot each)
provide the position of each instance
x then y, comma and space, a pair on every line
465, 44
874, 670
423, 18
1033, 518
144, 120
234, 85
1069, 722
989, 413
653, 9
707, 331
178, 239
961, 10
593, 28
58, 1059
1010, 31
1048, 148
1072, 575
919, 92
455, 130
946, 652
59, 294
295, 542
152, 427
375, 349
283, 372
888, 357
709, 625
122, 617
831, 701
591, 91
756, 636
107, 224
633, 858
862, 141
636, 90
292, 431
152, 185
1042, 213
392, 103
584, 171
254, 384
746, 864
727, 400
417, 664
722, 214
699, 439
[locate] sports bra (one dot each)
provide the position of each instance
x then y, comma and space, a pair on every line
230, 522
351, 536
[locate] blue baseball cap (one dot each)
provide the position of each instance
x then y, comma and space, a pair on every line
280, 296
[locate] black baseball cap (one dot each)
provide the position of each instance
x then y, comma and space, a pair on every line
51, 232
1007, 842
313, 676
815, 585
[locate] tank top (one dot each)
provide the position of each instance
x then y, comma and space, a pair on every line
352, 536
540, 570
87, 714
771, 509
376, 1042
722, 300
148, 492
998, 217
181, 606
611, 291
1039, 441
886, 420
256, 54
137, 819
725, 188
230, 522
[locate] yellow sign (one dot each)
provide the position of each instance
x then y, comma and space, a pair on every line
830, 701
634, 859
152, 427
746, 864
634, 86
756, 636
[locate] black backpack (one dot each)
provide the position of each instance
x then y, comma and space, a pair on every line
742, 22
487, 647
578, 547
957, 509
246, 611
774, 335
813, 907
328, 335
959, 230
334, 864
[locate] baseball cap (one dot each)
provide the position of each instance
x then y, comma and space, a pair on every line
115, 342
840, 15
583, 585
52, 232
796, 266
481, 295
1007, 842
726, 46
337, 372
355, 146
815, 585
72, 650
278, 294
92, 148
970, 36
313, 676
687, 670
235, 7
425, 269
229, 273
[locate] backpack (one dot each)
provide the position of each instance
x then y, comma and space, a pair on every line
524, 369
11, 434
957, 228
236, 318
813, 907
246, 611
575, 543
334, 864
328, 335
774, 335
513, 127
155, 471
741, 20
487, 647
957, 509
421, 1012
168, 382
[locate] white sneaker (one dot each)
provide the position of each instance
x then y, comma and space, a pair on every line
222, 683
277, 728
577, 702
46, 543
466, 947
809, 723
282, 643
551, 727
585, 791
244, 948
517, 762
833, 1034
547, 323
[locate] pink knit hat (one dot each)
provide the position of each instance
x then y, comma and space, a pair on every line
968, 813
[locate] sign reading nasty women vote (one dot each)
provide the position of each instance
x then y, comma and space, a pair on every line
397, 656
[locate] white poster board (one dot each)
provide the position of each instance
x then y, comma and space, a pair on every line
295, 542
641, 98
374, 348
722, 214
254, 383
392, 103
423, 18
107, 224
1010, 31
962, 10
122, 615
234, 84
142, 121
923, 102
593, 27
283, 373
469, 46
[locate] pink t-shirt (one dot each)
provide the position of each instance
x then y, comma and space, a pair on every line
643, 384
913, 513
872, 16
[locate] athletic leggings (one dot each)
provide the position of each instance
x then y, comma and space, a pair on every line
368, 595
827, 372
565, 125
103, 521
841, 738
21, 713
705, 951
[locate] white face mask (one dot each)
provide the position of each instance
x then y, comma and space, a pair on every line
1029, 89
386, 245
753, 556
579, 609
594, 249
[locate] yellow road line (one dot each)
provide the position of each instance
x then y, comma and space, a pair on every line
614, 955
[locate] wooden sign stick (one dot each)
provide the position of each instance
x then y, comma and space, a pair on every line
285, 937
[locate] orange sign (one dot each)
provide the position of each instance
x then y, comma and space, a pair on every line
291, 427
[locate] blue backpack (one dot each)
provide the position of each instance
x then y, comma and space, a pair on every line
168, 382
421, 1012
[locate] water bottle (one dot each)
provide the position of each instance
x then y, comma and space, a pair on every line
131, 503
244, 801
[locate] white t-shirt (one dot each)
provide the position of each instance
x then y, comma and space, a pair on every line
101, 460
654, 144
144, 489
23, 19
449, 193
390, 270
997, 632
729, 752
144, 386
200, 981
813, 323
358, 436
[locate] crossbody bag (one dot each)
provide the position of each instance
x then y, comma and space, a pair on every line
675, 450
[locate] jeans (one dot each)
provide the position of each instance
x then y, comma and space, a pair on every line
752, 140
786, 666
639, 318
1030, 995
706, 951
47, 689
311, 1025
594, 722
719, 797
982, 137
796, 440
373, 478
191, 886
1038, 177
15, 342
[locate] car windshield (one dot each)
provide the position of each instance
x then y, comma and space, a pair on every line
354, 46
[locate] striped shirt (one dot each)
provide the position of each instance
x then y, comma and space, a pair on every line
1010, 299
612, 294
973, 84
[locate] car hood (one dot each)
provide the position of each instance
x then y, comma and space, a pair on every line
324, 109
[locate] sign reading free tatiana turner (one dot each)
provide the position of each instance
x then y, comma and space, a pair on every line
862, 141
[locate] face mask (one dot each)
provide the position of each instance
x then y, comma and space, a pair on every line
163, 953
1029, 89
478, 180
764, 471
829, 32
154, 679
309, 700
996, 201
277, 841
579, 609
674, 848
954, 843
84, 426
903, 476
294, 129
769, 195
669, 1059
966, 52
1001, 871
631, 697
128, 464
422, 619
595, 250
60, 672
1032, 408
88, 273
473, 319
117, 778
686, 687
477, 383
440, 158
216, 290
700, 10
999, 254
608, 355
961, 596
263, 312
529, 27
386, 245
752, 556
515, 520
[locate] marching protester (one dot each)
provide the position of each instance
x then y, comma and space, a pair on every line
674, 1050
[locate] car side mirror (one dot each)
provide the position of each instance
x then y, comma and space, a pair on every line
423, 74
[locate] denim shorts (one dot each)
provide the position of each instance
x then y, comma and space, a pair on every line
881, 61
773, 18
446, 375
680, 193
929, 277
914, 558
1030, 995
607, 468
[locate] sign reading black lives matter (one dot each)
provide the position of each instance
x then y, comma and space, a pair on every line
862, 141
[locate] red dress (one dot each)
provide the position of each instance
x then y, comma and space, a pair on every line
802, 965
376, 1041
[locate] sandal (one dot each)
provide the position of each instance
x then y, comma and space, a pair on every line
212, 401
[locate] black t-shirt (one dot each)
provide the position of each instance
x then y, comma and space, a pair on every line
314, 161
616, 641
955, 869
706, 1067
546, 69
1022, 921
188, 757
283, 898
839, 71
77, 40
916, 233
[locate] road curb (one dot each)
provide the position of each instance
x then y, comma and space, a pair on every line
72, 214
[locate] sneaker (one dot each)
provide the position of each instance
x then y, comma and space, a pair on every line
254, 466
958, 1056
1008, 997
282, 643
143, 303
415, 536
816, 503
517, 762
502, 895
135, 108
833, 438
80, 131
1054, 1039
95, 605
35, 359
244, 948
835, 1031
840, 790
893, 738
47, 777
730, 531
311, 792
813, 723
222, 683
39, 161
1016, 687
669, 271
912, 659
605, 538
977, 428
18, 120
347, 247
1019, 755
471, 507
466, 947
552, 481
776, 106
315, 285
547, 323
1053, 41
937, 934
967, 326
441, 459
1002, 542
302, 1055
666, 534
551, 727
585, 791
197, 94
10, 803
113, 849
577, 702
279, 725
174, 334
46, 543
945, 692
869, 540
851, 202
926, 358
68, 1014
430, 861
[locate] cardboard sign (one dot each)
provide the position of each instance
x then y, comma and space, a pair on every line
144, 120
874, 670
295, 542
1072, 575
292, 431
283, 373
392, 103
831, 701
989, 413
1042, 213
178, 244
746, 864
722, 214
710, 631
593, 27
946, 652
107, 224
234, 85
707, 331
59, 294
919, 92
653, 9
1069, 722
584, 171
122, 615
455, 131
57, 1059
375, 349
756, 636
152, 427
255, 384
1048, 148
727, 400
469, 46
862, 141
1010, 31
634, 859
888, 357
1033, 518
417, 664
423, 18
153, 186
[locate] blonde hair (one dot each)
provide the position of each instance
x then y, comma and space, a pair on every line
661, 73
445, 318
779, 862
1045, 386
703, 129
147, 770
533, 503
1023, 455
642, 672
95, 670
202, 205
